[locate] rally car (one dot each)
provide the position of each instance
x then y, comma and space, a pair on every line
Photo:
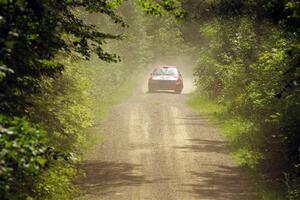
165, 78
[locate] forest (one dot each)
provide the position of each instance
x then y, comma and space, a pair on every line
63, 64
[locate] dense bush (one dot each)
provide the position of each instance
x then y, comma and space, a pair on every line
23, 155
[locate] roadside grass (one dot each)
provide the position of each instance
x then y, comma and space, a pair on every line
241, 137
204, 105
269, 193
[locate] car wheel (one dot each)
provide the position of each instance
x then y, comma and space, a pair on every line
150, 90
178, 91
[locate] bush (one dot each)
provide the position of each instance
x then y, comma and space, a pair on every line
56, 183
23, 156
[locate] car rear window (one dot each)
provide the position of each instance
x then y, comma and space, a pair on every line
165, 71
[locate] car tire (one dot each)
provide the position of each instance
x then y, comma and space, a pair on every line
150, 90
178, 91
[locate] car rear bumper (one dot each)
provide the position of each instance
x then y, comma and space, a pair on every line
165, 85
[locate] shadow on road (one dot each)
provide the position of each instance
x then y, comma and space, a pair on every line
106, 176
199, 145
199, 120
223, 183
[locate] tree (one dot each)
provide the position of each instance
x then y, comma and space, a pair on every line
33, 32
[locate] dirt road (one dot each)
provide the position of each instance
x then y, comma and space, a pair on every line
157, 148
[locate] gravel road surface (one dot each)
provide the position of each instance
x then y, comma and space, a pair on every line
157, 148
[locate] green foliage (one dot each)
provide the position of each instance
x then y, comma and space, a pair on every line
284, 13
23, 155
158, 8
293, 189
247, 157
246, 73
269, 193
205, 105
33, 32
65, 107
35, 84
56, 183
